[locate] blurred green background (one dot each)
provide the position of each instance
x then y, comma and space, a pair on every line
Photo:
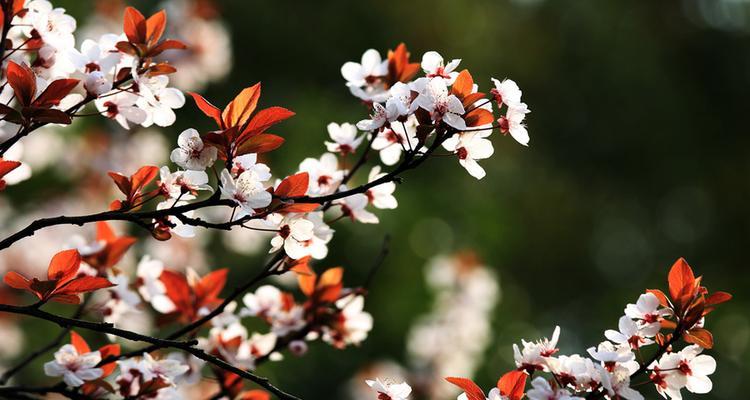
638, 156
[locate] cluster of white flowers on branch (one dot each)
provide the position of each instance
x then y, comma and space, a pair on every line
609, 372
417, 110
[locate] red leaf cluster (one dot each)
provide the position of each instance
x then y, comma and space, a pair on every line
191, 293
462, 88
114, 247
132, 187
511, 385
399, 67
22, 80
240, 132
144, 37
63, 284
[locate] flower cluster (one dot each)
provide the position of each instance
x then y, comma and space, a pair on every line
655, 320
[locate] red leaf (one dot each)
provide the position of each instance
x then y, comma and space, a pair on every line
23, 81
265, 119
262, 143
77, 341
143, 177
66, 298
681, 280
7, 166
293, 186
46, 115
661, 296
718, 298
479, 117
211, 285
473, 392
254, 395
16, 281
122, 182
134, 25
155, 25
238, 111
104, 232
84, 284
106, 351
700, 336
512, 385
463, 85
55, 92
178, 290
64, 266
299, 208
169, 44
209, 109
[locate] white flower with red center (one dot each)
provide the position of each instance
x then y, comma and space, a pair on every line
182, 184
167, 369
399, 104
324, 174
379, 117
74, 368
512, 123
442, 105
151, 288
96, 83
611, 355
256, 346
322, 234
391, 142
541, 390
176, 225
687, 368
365, 79
195, 365
387, 390
534, 355
354, 207
381, 196
353, 323
265, 302
506, 92
291, 318
469, 147
249, 162
344, 136
191, 153
295, 235
158, 100
51, 24
94, 56
630, 333
247, 191
434, 67
647, 311
574, 370
122, 108
616, 383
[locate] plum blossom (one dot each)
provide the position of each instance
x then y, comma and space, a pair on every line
324, 173
610, 355
379, 117
353, 324
686, 368
249, 162
354, 207
541, 390
182, 184
158, 100
75, 368
512, 123
176, 225
265, 302
506, 92
470, 147
534, 355
381, 196
295, 235
617, 384
630, 333
192, 153
364, 79
647, 311
344, 136
390, 143
122, 108
151, 288
247, 191
390, 390
434, 67
442, 105
399, 104
96, 56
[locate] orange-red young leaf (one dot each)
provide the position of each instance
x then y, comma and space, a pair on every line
155, 25
211, 285
16, 281
23, 81
79, 343
463, 85
64, 265
169, 44
718, 298
512, 385
209, 109
479, 117
306, 283
143, 176
259, 144
254, 395
55, 92
681, 280
85, 284
293, 186
7, 166
700, 336
134, 25
178, 290
299, 208
238, 111
661, 296
473, 392
265, 119
106, 351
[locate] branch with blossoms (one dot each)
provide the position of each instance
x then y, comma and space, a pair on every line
613, 368
220, 184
